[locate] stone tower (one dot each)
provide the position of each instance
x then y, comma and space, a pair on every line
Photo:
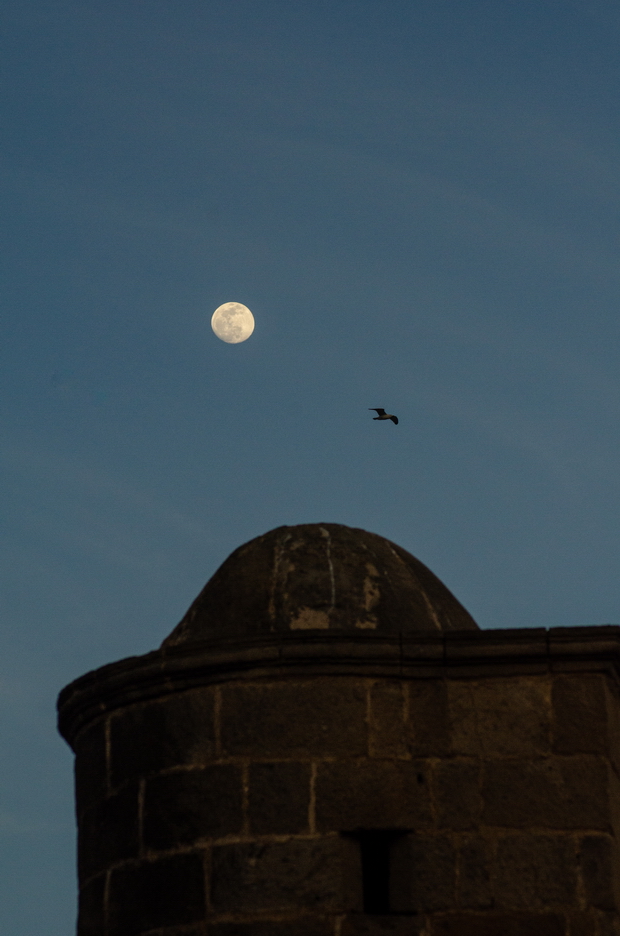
327, 745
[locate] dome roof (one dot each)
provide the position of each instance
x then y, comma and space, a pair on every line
320, 576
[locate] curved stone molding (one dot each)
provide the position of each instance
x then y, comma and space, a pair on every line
419, 656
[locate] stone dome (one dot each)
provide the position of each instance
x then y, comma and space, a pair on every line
320, 576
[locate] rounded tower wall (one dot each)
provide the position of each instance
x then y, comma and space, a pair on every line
255, 791
343, 782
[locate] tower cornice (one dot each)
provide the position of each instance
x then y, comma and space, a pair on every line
450, 655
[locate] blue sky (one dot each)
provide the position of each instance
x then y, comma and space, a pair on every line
419, 203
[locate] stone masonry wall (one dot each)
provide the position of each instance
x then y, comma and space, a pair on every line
238, 809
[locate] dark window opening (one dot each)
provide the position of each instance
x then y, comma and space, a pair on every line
376, 853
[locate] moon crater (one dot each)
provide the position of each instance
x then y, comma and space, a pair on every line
232, 322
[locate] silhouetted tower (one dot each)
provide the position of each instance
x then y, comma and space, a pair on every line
327, 745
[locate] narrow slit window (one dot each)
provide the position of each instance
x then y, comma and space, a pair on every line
376, 847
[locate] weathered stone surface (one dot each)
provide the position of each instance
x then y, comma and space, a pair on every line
91, 920
500, 924
456, 786
362, 925
320, 576
296, 874
198, 929
474, 886
295, 718
580, 713
500, 716
295, 926
169, 892
612, 691
389, 736
91, 773
184, 807
279, 797
613, 792
372, 795
172, 731
423, 874
553, 793
517, 651
108, 832
429, 724
535, 872
608, 924
598, 859
583, 923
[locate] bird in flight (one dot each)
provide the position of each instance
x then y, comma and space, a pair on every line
381, 414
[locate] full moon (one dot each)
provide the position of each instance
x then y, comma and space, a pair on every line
232, 322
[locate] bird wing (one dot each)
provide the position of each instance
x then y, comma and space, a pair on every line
377, 409
394, 420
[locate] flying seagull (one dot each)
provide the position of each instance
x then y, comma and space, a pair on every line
381, 414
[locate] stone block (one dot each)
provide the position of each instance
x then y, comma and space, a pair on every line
184, 807
612, 693
200, 929
584, 923
299, 874
580, 713
535, 872
372, 795
279, 797
108, 832
474, 886
389, 736
608, 924
91, 914
176, 730
500, 924
429, 727
295, 926
392, 925
500, 716
570, 647
456, 785
422, 874
504, 651
552, 793
169, 892
598, 860
295, 718
614, 797
91, 775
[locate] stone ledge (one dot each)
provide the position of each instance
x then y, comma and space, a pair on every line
452, 654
